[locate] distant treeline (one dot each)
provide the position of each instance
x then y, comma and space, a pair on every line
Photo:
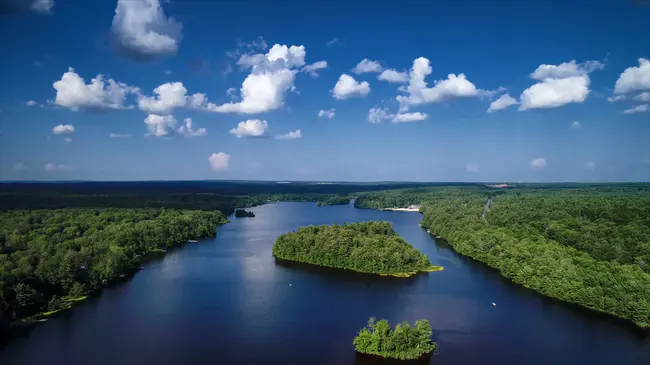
589, 246
335, 200
50, 257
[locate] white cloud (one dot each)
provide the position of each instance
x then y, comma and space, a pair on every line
62, 129
291, 135
329, 114
643, 97
219, 161
613, 99
231, 91
42, 6
566, 69
251, 128
637, 109
347, 87
73, 92
472, 167
17, 6
575, 124
314, 67
634, 78
553, 93
332, 42
56, 167
394, 76
169, 96
590, 165
118, 135
272, 75
19, 166
367, 65
187, 131
419, 93
409, 117
502, 102
31, 103
378, 114
142, 31
159, 125
538, 163
167, 72
67, 139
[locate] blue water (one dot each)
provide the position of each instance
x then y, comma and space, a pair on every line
226, 301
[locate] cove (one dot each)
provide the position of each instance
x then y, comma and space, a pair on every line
227, 301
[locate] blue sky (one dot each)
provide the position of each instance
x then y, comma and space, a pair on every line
564, 62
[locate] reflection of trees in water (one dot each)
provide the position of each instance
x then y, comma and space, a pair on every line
363, 359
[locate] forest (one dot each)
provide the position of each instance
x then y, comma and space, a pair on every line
334, 200
585, 245
50, 258
367, 247
404, 342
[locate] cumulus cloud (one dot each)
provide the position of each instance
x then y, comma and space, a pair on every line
502, 102
575, 124
291, 135
553, 93
394, 76
613, 99
367, 65
159, 125
634, 78
169, 96
472, 167
20, 166
251, 128
378, 114
272, 75
118, 135
347, 87
643, 108
314, 67
590, 165
538, 163
56, 167
409, 117
329, 113
643, 97
419, 93
73, 92
63, 129
141, 30
566, 69
219, 161
187, 131
31, 103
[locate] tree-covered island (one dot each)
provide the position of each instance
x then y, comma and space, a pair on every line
367, 247
239, 213
403, 342
334, 200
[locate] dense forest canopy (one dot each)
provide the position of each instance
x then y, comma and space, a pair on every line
48, 257
335, 200
404, 342
368, 247
240, 213
586, 245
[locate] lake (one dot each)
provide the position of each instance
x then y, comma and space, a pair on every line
226, 301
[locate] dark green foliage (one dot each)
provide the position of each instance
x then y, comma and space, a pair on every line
334, 200
402, 343
589, 246
48, 257
239, 213
369, 247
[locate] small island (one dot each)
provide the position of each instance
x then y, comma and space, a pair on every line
239, 213
366, 247
402, 343
334, 200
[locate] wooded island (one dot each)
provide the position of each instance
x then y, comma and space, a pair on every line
367, 247
402, 343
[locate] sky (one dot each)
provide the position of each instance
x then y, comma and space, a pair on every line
325, 91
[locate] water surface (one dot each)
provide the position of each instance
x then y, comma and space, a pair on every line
226, 301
